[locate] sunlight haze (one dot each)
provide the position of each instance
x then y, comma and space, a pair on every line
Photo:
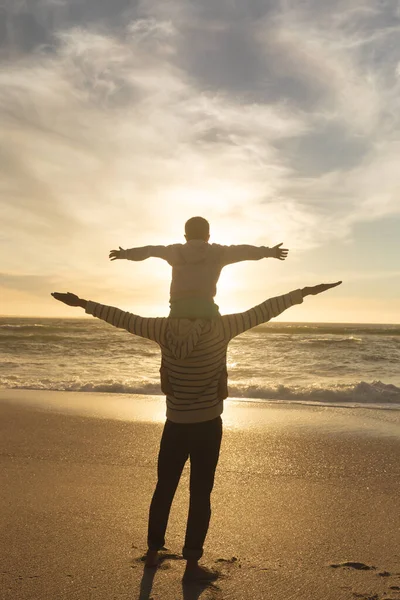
276, 121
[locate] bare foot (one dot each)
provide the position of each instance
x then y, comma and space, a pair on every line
151, 559
197, 573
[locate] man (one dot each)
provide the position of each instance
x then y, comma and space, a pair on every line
194, 380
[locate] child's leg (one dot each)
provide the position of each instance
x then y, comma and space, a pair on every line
193, 308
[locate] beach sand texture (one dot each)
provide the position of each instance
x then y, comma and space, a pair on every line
305, 504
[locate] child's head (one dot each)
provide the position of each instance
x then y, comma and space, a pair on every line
197, 228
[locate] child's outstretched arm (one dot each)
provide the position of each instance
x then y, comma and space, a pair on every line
234, 254
164, 252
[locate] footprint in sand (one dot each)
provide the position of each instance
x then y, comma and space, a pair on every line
363, 567
355, 565
229, 561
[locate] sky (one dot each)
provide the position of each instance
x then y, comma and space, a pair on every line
278, 121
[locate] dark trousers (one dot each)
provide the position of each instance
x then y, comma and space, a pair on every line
201, 442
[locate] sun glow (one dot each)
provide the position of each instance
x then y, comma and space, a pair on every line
214, 200
204, 198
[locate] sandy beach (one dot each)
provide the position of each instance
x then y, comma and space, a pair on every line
300, 491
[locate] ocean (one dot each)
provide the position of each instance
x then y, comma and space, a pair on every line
327, 364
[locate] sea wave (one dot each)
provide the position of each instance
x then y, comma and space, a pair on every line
109, 386
22, 328
357, 392
329, 341
360, 392
308, 329
330, 329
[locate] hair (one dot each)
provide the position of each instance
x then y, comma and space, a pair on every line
197, 228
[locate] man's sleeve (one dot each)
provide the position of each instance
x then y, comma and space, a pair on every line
164, 252
149, 328
240, 322
234, 254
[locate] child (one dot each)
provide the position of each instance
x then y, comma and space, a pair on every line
196, 267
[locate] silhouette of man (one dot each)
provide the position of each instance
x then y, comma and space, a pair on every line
194, 380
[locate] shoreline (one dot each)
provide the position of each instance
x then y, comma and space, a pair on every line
238, 412
18, 393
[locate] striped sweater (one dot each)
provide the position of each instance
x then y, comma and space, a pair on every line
193, 352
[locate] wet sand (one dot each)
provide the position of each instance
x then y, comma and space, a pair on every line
305, 505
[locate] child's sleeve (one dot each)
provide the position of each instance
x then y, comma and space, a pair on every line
234, 254
146, 327
165, 252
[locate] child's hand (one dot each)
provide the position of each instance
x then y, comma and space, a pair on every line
278, 252
115, 254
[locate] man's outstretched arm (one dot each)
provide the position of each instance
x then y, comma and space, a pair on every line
240, 322
149, 328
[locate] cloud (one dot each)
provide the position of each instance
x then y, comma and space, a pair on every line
275, 120
101, 115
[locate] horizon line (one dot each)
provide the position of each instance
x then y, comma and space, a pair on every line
260, 325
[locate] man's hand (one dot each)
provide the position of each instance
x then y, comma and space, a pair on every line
116, 254
318, 289
278, 252
70, 299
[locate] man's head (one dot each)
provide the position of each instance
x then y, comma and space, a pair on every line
197, 228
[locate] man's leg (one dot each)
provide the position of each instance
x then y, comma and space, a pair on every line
205, 444
171, 460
